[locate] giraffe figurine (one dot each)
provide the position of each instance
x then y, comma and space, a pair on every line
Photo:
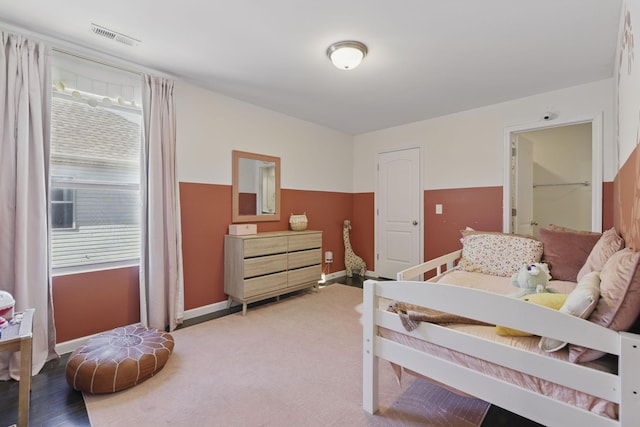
351, 260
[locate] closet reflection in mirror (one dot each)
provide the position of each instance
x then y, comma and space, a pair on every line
256, 187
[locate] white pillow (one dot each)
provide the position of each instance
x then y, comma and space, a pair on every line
580, 303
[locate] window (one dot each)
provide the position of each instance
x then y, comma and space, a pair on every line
62, 208
94, 166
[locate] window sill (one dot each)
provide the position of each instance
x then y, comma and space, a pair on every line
79, 269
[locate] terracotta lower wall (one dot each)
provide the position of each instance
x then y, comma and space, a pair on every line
206, 215
479, 208
607, 205
325, 211
363, 228
89, 303
626, 206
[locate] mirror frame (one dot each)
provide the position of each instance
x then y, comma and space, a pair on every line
235, 199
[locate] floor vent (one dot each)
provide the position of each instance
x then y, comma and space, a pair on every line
113, 35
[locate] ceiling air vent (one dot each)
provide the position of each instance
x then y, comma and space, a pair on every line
114, 35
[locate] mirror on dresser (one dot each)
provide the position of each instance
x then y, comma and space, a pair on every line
255, 187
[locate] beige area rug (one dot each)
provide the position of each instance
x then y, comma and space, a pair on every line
296, 362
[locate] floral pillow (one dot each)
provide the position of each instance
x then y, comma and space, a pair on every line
497, 254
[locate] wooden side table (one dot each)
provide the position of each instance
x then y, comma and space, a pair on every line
18, 337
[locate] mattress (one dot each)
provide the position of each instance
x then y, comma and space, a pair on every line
544, 387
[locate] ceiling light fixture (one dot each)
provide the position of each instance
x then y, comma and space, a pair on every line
347, 55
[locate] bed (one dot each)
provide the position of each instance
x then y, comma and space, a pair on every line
551, 388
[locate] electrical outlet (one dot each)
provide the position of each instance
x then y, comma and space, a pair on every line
328, 257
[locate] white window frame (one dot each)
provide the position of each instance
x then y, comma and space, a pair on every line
72, 202
79, 184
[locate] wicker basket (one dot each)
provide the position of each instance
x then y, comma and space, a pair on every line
298, 222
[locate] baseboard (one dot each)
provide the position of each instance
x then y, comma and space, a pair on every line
330, 277
71, 345
207, 309
343, 273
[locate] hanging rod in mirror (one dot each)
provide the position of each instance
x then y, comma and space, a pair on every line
584, 183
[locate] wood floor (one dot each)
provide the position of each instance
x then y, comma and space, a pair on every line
54, 403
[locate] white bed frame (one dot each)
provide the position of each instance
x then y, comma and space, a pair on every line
623, 388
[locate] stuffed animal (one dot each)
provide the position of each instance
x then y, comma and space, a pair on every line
531, 279
6, 305
351, 260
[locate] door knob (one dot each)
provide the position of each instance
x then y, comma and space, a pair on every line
415, 222
534, 223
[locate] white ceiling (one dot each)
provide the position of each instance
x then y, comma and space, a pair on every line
426, 58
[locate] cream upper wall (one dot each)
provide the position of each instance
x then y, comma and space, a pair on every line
465, 149
209, 126
570, 205
627, 75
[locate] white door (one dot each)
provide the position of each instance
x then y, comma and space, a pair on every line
523, 218
398, 207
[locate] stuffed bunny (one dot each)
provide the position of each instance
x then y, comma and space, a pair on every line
531, 279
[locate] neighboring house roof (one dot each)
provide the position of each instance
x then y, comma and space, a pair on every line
105, 137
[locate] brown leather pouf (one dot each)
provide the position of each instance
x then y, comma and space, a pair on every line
118, 359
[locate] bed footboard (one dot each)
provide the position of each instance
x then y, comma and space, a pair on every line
622, 388
436, 264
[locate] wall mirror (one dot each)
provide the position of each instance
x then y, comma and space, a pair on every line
256, 187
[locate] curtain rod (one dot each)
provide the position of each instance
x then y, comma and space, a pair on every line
97, 61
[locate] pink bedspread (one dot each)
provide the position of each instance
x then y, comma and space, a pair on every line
547, 388
499, 285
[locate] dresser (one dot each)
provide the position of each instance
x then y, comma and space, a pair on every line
270, 264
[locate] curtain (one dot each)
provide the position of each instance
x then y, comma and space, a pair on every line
25, 109
161, 279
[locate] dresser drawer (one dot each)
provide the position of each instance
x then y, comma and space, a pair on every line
270, 264
304, 258
264, 265
265, 246
305, 241
300, 276
263, 284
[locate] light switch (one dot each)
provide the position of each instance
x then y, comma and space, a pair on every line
438, 209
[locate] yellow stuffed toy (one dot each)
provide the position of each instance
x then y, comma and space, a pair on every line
545, 299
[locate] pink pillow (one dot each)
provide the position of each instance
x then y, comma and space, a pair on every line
566, 251
609, 243
619, 303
